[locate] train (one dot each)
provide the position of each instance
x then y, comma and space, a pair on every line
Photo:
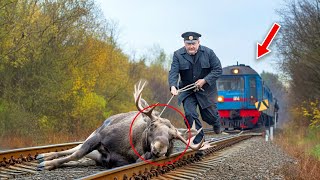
244, 100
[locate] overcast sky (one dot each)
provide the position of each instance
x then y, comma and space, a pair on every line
231, 28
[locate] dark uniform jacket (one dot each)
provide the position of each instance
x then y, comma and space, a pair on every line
206, 66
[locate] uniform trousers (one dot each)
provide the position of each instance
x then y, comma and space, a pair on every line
210, 115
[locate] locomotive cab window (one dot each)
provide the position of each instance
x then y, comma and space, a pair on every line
230, 84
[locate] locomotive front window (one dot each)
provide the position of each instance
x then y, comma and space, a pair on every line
230, 84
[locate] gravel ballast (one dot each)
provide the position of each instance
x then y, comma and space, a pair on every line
251, 159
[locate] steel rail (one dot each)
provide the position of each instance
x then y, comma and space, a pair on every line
16, 153
144, 170
17, 162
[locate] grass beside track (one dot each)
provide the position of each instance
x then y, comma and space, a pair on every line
304, 145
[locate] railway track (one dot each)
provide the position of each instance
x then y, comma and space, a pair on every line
21, 162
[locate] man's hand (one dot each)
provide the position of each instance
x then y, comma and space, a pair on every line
200, 82
174, 91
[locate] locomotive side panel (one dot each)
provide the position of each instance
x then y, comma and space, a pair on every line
239, 89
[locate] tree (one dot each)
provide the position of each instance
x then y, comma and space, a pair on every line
56, 58
299, 47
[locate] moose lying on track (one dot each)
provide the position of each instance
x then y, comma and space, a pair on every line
109, 145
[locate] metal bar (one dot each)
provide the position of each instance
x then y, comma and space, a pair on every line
11, 173
202, 165
213, 159
4, 176
38, 149
6, 169
159, 178
176, 176
25, 167
183, 171
31, 164
209, 163
22, 169
192, 169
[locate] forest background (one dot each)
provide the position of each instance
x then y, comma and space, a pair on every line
62, 73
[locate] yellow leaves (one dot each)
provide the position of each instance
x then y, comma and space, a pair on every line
315, 121
77, 85
305, 112
311, 111
83, 83
89, 105
44, 123
89, 110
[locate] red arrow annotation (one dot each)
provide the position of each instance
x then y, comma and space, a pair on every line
262, 49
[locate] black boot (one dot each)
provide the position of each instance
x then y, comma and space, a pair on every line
217, 130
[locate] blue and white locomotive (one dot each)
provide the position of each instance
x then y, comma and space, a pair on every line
244, 101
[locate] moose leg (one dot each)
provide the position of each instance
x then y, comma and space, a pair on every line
96, 156
107, 159
87, 147
54, 155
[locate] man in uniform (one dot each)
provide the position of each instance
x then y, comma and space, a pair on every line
196, 64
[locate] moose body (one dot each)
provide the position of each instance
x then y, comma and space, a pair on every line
109, 145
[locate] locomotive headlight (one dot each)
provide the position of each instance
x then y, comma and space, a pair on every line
220, 99
235, 71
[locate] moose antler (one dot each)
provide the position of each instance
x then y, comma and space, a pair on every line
137, 98
191, 145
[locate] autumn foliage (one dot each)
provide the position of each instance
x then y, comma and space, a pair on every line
63, 73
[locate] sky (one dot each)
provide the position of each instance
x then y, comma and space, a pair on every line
231, 28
